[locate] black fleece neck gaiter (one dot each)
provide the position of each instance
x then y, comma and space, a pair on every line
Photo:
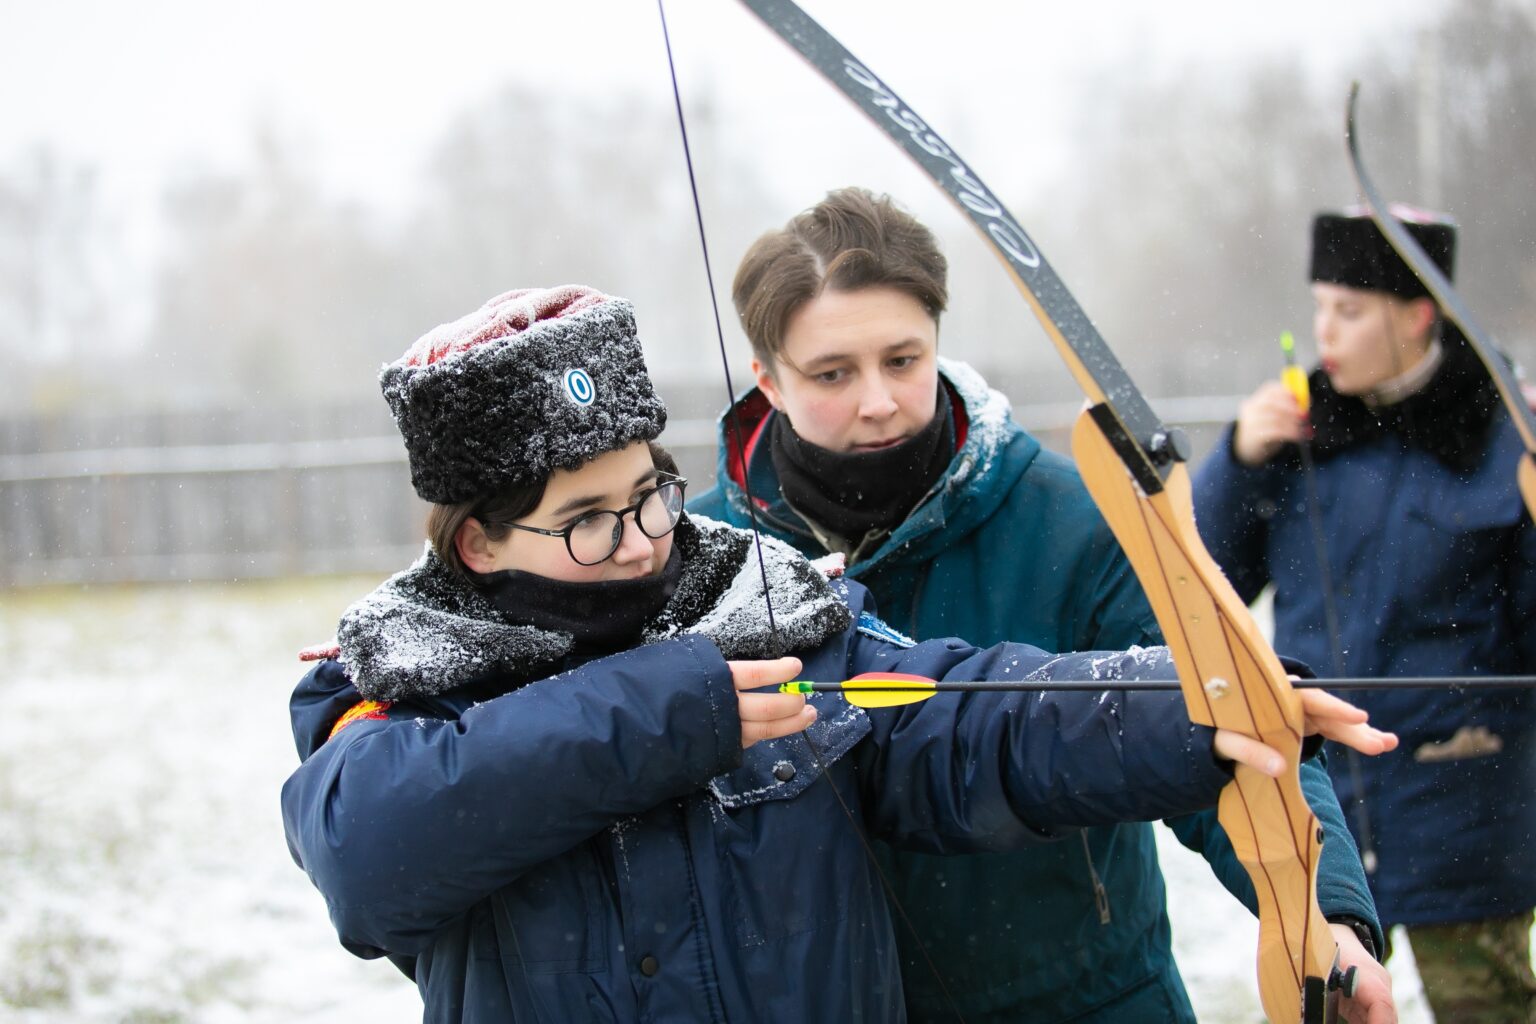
852, 493
602, 617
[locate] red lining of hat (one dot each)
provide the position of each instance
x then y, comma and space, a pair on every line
507, 314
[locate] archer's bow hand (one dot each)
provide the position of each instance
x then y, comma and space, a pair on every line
1337, 719
1326, 715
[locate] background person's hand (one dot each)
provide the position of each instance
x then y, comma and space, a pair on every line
1268, 419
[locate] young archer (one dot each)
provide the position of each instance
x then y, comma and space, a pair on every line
539, 773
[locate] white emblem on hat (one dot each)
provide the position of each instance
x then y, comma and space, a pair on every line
579, 387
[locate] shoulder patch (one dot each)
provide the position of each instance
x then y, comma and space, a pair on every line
870, 625
369, 709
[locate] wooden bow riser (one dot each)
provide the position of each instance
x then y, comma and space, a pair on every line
1231, 679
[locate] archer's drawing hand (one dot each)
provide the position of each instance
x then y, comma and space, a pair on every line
1269, 419
767, 716
1325, 714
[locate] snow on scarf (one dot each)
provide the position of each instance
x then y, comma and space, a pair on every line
427, 630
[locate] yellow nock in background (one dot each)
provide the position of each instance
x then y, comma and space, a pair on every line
1293, 376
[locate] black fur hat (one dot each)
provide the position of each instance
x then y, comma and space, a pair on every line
533, 381
1349, 249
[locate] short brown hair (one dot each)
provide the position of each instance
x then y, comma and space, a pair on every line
852, 239
496, 510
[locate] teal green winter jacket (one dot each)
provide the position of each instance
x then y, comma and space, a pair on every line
1009, 546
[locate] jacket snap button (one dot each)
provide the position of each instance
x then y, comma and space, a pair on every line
649, 965
783, 771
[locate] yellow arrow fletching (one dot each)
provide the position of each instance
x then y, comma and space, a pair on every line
875, 689
887, 691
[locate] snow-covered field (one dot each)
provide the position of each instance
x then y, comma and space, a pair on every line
143, 873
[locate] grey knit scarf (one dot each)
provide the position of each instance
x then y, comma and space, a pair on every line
427, 630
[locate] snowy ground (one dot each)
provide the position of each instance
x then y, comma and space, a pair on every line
142, 864
143, 874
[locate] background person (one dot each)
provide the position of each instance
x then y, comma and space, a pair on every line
1432, 558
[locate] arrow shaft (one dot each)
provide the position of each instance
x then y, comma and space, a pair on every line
1100, 685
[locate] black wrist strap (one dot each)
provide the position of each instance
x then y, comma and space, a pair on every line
1363, 932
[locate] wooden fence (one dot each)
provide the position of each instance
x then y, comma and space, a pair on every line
188, 496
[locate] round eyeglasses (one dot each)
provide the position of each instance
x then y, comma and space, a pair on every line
595, 536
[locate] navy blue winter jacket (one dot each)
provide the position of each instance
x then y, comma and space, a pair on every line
1434, 573
595, 845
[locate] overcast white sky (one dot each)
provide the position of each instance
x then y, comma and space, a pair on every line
144, 87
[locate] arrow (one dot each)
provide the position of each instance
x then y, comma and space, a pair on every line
893, 689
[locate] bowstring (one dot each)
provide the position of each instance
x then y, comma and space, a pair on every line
733, 416
732, 413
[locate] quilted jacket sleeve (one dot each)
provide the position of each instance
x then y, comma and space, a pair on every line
403, 822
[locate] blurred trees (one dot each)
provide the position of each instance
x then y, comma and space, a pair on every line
269, 290
273, 291
1488, 132
1194, 282
532, 189
1181, 227
56, 255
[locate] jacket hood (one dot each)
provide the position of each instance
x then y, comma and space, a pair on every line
992, 452
426, 630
